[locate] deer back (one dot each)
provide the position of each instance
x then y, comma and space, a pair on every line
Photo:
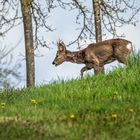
110, 50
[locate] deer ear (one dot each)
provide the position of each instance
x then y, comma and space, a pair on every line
61, 46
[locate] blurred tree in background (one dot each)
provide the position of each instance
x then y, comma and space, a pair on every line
33, 15
9, 75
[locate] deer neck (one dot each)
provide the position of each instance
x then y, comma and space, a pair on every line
75, 57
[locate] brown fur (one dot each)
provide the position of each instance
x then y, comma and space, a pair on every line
95, 55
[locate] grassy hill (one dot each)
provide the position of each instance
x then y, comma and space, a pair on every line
103, 107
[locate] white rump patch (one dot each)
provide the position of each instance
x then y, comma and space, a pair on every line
129, 46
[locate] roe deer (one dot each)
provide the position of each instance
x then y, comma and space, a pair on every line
95, 55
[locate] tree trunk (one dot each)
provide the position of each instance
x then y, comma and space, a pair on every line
29, 49
98, 29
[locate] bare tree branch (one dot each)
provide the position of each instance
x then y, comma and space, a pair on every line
9, 75
114, 14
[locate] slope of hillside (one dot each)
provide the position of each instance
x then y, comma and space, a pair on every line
93, 108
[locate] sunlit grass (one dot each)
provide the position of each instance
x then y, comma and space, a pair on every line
93, 108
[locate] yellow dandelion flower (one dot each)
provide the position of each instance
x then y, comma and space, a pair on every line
3, 107
114, 116
72, 116
33, 101
131, 110
3, 104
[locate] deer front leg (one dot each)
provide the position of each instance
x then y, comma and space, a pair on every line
93, 62
98, 70
83, 70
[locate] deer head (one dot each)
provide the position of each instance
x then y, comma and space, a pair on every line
61, 54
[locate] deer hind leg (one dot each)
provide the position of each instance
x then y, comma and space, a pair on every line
93, 62
84, 69
122, 55
123, 58
98, 70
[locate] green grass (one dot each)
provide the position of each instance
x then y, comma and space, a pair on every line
103, 107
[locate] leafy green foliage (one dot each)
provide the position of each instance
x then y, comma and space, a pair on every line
93, 108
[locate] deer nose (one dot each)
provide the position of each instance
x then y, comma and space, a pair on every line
53, 63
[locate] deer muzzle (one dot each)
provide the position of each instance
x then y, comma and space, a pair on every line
54, 63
